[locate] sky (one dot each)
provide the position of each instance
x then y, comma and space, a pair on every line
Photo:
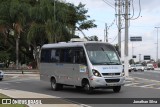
144, 26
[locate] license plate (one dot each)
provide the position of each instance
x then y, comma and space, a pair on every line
111, 84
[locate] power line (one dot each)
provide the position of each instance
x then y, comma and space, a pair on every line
114, 39
108, 4
139, 11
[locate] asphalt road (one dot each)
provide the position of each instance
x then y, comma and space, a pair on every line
149, 74
144, 85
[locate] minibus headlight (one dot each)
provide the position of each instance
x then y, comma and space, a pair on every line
96, 73
122, 74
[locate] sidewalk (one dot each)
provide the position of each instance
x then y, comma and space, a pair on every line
25, 94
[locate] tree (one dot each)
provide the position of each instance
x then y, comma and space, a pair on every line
131, 61
92, 38
78, 20
33, 23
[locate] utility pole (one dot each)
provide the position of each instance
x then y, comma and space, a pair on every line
119, 27
139, 57
105, 35
157, 41
126, 40
132, 50
106, 32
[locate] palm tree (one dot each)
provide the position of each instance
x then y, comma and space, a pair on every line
13, 19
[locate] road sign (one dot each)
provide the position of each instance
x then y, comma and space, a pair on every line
147, 57
136, 38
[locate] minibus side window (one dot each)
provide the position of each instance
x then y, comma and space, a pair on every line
45, 55
83, 57
79, 56
54, 55
65, 56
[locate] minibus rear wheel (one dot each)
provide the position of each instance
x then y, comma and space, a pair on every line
116, 89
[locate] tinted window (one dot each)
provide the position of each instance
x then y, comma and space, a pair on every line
63, 55
45, 55
55, 53
79, 56
66, 55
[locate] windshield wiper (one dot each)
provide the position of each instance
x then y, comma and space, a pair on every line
102, 63
116, 63
106, 55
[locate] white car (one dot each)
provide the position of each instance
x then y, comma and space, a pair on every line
139, 67
150, 67
1, 75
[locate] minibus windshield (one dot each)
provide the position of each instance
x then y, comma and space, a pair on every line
102, 54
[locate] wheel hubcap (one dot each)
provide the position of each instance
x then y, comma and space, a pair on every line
86, 87
53, 84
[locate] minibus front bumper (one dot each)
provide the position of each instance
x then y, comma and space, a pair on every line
98, 82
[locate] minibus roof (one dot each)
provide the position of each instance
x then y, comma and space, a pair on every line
71, 44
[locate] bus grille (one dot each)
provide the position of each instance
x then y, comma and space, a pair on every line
110, 74
112, 80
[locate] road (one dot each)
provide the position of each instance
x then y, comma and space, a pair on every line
150, 74
144, 85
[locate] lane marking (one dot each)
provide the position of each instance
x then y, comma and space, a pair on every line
5, 83
18, 82
147, 85
157, 88
147, 79
131, 84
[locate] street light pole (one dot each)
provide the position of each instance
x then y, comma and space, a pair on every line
157, 41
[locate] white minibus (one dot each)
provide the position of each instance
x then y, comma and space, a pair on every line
89, 65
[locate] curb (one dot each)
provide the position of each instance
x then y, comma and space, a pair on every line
18, 72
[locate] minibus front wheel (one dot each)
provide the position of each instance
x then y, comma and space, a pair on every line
87, 87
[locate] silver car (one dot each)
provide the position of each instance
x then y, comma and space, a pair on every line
1, 75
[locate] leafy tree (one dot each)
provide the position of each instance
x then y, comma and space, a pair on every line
36, 22
131, 61
78, 20
92, 38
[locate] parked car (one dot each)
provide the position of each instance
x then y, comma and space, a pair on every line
150, 67
139, 67
1, 75
132, 67
129, 68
